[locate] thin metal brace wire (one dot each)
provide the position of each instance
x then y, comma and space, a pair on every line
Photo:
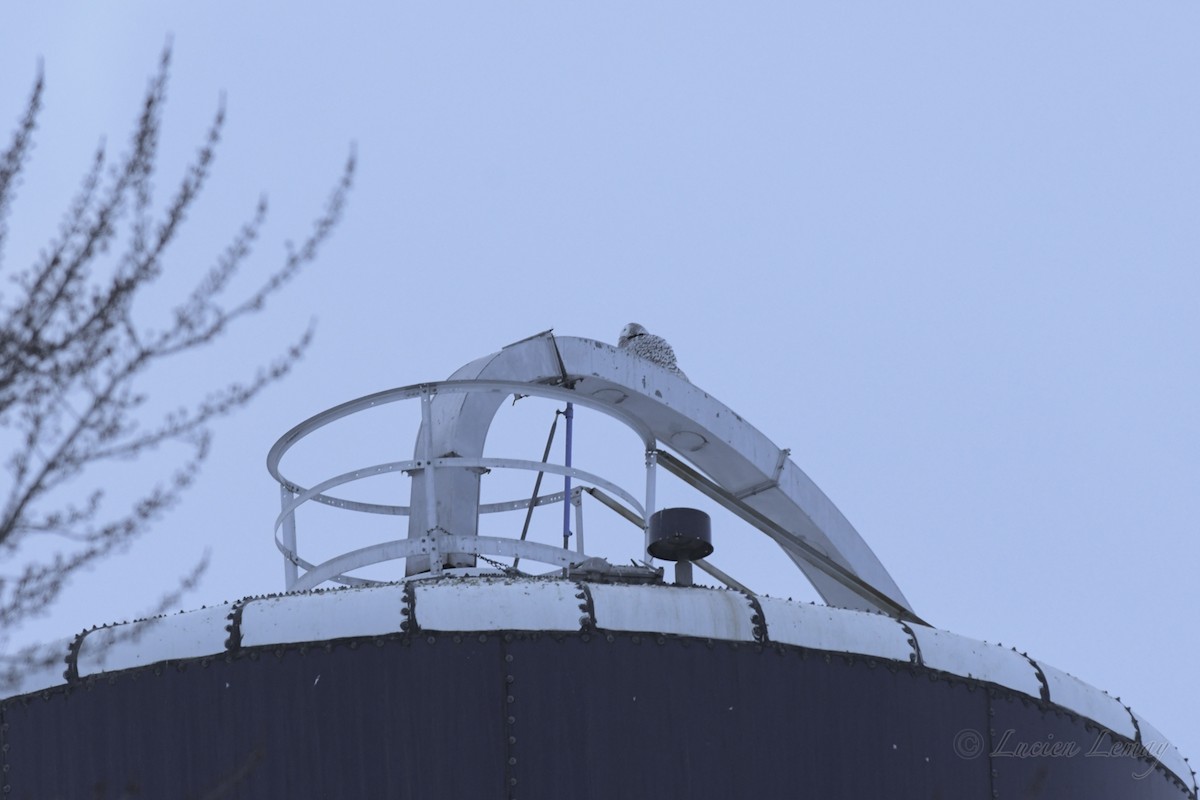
537, 484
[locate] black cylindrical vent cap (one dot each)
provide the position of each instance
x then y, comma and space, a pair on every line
680, 534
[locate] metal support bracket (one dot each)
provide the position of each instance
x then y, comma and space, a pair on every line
790, 542
772, 483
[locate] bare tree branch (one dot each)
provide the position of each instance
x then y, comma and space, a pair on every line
74, 356
13, 158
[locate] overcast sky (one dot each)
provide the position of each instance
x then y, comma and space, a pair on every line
948, 253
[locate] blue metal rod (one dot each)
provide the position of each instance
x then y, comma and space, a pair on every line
570, 415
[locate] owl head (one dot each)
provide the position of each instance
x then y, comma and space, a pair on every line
630, 331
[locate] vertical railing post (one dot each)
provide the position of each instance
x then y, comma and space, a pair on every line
289, 537
651, 475
577, 501
570, 415
435, 556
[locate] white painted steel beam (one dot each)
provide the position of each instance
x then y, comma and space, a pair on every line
705, 433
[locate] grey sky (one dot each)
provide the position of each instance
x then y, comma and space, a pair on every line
945, 252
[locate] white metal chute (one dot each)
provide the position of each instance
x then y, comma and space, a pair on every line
460, 424
745, 465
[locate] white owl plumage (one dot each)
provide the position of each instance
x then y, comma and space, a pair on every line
654, 349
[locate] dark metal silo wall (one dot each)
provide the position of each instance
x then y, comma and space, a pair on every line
396, 720
542, 716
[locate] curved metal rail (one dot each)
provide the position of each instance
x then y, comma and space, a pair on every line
726, 458
436, 541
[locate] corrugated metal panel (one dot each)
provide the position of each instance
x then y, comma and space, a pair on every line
487, 605
401, 719
632, 716
484, 605
972, 658
836, 629
341, 613
704, 613
136, 644
1038, 752
532, 716
1069, 692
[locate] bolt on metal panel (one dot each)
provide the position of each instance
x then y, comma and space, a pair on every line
341, 613
1035, 751
486, 605
704, 613
1086, 700
972, 658
1158, 746
836, 630
135, 644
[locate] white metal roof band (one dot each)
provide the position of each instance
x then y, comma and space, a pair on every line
482, 604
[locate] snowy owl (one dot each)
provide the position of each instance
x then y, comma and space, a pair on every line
644, 344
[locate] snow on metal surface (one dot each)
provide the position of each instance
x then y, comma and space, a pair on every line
555, 605
836, 629
1167, 754
369, 611
135, 644
1086, 700
972, 658
498, 605
704, 613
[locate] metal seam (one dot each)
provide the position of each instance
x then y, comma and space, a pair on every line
1137, 729
510, 719
234, 641
1041, 676
71, 673
991, 744
759, 621
562, 367
587, 623
916, 646
409, 612
994, 692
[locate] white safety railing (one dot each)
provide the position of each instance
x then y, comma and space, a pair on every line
301, 573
